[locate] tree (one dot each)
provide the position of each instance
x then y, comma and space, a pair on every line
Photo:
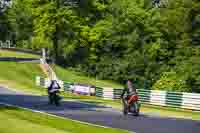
52, 22
117, 40
4, 25
170, 81
21, 20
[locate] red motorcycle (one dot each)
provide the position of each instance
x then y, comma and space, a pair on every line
132, 105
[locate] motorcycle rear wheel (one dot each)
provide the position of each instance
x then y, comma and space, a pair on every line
125, 110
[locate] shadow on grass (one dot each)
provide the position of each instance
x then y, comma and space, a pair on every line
5, 107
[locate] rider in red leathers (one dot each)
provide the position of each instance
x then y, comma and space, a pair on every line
127, 94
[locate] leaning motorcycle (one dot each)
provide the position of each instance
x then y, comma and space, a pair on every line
132, 105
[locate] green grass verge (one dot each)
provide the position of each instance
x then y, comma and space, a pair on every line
17, 120
71, 76
6, 53
170, 112
20, 75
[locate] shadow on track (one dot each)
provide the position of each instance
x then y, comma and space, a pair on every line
41, 103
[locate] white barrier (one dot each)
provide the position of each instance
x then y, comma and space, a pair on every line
80, 89
108, 93
162, 98
191, 101
37, 80
158, 97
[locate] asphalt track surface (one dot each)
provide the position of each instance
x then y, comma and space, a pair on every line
104, 116
15, 59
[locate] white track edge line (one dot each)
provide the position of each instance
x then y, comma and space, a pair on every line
41, 112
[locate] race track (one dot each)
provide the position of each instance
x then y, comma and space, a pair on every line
101, 115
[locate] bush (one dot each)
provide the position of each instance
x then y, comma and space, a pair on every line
171, 81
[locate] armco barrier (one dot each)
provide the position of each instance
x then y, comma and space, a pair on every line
191, 101
154, 97
99, 92
42, 81
117, 93
144, 95
174, 99
67, 86
83, 89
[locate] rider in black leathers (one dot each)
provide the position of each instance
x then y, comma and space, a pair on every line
53, 89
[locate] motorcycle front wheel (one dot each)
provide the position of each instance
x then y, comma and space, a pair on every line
57, 99
137, 109
125, 111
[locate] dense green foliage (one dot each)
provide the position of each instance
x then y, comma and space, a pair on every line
4, 24
116, 39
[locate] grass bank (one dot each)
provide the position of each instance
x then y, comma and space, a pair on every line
77, 77
17, 120
20, 75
